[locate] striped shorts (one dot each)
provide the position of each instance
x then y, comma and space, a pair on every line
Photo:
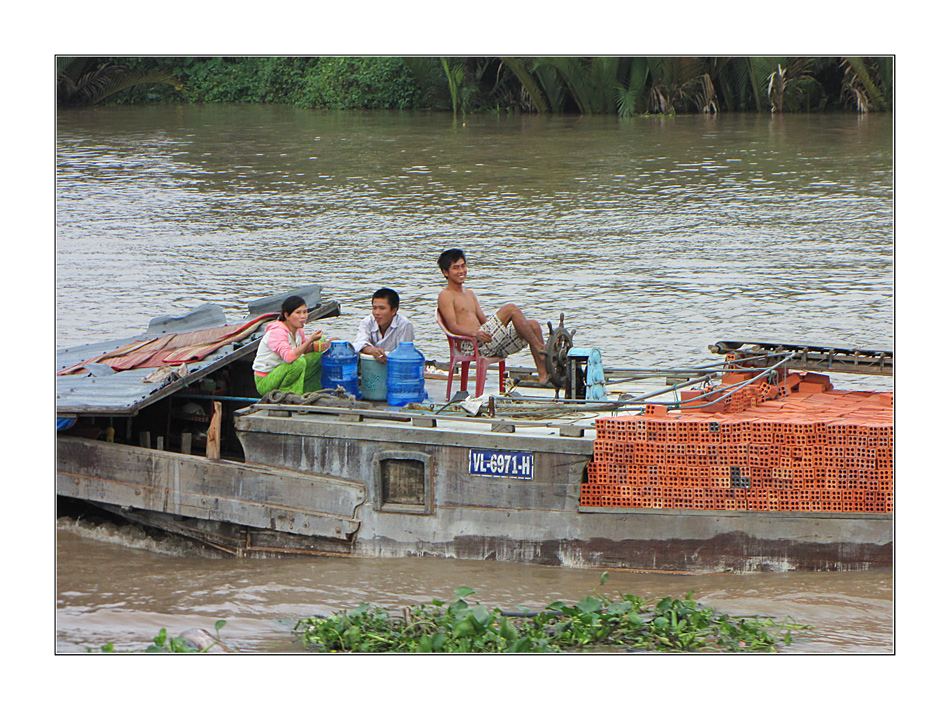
504, 341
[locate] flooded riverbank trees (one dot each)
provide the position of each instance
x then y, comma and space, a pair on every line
625, 86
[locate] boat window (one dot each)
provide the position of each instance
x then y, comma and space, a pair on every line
403, 482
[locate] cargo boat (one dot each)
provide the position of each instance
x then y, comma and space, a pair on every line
746, 467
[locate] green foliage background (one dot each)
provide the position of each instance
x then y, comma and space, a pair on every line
588, 85
308, 82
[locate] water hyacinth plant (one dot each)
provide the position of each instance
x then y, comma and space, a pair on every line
595, 623
163, 643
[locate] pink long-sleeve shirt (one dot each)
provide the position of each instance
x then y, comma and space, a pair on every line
276, 347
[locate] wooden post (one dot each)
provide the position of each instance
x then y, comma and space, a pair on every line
213, 449
186, 442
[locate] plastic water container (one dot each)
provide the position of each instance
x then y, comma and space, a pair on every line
405, 378
372, 378
338, 366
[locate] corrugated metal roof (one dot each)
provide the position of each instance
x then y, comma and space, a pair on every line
111, 393
124, 393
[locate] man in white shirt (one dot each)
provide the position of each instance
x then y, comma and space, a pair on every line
382, 331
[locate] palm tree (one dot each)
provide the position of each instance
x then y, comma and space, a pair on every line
866, 81
90, 80
454, 73
790, 84
759, 72
519, 67
631, 86
430, 75
632, 97
593, 83
679, 83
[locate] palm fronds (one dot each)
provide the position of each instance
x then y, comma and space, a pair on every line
518, 68
631, 99
862, 86
453, 73
591, 82
84, 80
550, 83
679, 83
760, 72
430, 76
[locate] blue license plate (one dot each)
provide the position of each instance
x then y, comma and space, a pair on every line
510, 464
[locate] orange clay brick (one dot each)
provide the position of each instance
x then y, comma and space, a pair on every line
885, 399
763, 455
733, 378
810, 451
760, 431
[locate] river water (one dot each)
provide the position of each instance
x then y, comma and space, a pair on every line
654, 236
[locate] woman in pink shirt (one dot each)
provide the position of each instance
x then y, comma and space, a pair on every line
288, 360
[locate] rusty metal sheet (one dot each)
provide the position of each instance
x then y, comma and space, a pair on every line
119, 394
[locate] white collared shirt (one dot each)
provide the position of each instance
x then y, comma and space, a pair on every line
399, 331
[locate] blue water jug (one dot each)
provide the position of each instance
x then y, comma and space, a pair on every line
405, 376
338, 366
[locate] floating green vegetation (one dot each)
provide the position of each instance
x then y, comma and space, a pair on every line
595, 623
163, 644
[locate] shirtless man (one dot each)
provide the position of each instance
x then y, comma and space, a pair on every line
505, 333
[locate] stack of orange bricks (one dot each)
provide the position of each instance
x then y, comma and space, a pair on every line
797, 445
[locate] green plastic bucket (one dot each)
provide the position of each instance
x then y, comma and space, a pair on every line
372, 378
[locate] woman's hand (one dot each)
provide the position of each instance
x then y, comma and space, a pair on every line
316, 342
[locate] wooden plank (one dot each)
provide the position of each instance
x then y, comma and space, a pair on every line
815, 358
213, 448
285, 409
246, 494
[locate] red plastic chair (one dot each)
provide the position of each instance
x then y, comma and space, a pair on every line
457, 357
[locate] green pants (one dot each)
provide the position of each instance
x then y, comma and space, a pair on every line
300, 376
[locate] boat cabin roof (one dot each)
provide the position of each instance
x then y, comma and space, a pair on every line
99, 390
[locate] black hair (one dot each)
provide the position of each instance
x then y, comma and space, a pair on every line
449, 257
290, 305
389, 295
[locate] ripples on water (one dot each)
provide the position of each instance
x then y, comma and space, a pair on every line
656, 238
146, 585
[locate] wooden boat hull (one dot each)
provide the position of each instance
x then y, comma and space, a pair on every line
319, 484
